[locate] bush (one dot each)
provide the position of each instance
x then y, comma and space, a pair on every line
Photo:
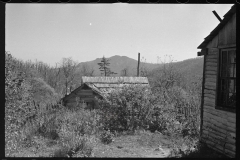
136, 107
24, 110
127, 108
171, 114
31, 110
79, 121
76, 132
17, 104
43, 93
106, 137
75, 145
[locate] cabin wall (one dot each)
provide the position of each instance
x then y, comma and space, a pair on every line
226, 36
86, 95
219, 127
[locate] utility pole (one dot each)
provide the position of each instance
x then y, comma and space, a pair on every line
138, 64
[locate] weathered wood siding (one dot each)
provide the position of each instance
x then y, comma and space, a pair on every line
85, 95
226, 36
219, 127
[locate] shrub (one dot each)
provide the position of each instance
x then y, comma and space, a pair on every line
169, 114
42, 92
17, 104
127, 108
175, 93
62, 152
79, 121
31, 109
76, 130
74, 145
106, 137
22, 114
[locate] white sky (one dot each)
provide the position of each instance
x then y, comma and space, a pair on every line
49, 32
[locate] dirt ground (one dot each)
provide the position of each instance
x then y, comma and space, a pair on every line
122, 146
130, 146
144, 144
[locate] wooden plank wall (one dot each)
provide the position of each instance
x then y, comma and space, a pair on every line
219, 127
84, 94
226, 36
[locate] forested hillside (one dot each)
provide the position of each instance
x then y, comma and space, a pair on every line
190, 67
34, 114
118, 64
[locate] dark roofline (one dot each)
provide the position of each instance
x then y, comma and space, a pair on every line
115, 83
226, 18
75, 90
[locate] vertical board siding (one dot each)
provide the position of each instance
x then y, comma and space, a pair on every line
219, 127
213, 43
227, 34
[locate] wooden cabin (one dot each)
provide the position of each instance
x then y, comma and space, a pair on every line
98, 87
218, 106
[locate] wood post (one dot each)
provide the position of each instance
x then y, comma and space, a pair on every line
218, 17
138, 64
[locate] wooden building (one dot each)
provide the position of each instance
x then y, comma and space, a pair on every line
98, 87
218, 106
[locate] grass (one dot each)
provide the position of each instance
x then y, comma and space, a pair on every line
59, 133
141, 143
75, 133
179, 146
204, 152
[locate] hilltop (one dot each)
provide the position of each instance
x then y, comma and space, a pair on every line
189, 67
117, 63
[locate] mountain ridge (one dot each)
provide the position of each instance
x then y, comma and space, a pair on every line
193, 66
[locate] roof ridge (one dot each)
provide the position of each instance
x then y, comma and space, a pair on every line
215, 31
115, 79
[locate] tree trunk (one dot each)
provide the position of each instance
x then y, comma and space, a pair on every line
66, 86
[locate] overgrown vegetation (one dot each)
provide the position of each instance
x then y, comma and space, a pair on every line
106, 137
170, 106
33, 110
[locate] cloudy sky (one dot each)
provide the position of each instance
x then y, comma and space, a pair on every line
49, 32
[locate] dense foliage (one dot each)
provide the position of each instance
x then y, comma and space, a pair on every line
17, 103
32, 108
170, 105
127, 108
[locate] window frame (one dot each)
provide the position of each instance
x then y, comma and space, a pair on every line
217, 106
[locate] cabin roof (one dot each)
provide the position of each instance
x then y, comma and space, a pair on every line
104, 85
115, 80
226, 18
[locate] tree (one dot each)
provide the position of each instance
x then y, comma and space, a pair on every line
104, 67
53, 78
166, 76
125, 72
144, 71
68, 67
86, 70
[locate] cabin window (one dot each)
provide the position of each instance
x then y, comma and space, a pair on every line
227, 79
